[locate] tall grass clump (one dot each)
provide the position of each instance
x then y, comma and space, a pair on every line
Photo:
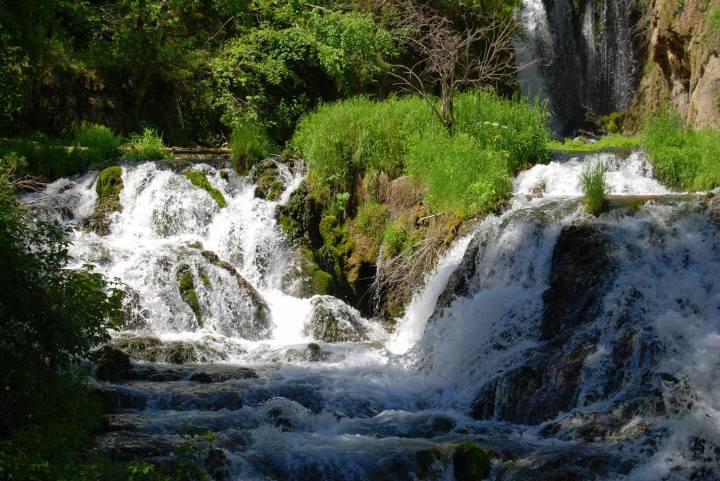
342, 141
146, 146
514, 126
460, 174
684, 158
248, 144
611, 141
592, 184
100, 141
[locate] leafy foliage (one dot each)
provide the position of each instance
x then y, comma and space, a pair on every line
52, 315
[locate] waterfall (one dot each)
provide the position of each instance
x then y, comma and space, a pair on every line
579, 55
572, 346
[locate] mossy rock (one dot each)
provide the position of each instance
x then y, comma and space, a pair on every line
186, 285
152, 349
112, 363
267, 179
198, 179
470, 463
108, 187
334, 321
322, 283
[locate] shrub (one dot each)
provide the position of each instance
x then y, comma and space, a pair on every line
459, 174
683, 157
592, 183
248, 144
99, 139
146, 146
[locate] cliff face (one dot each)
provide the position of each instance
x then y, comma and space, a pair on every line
683, 64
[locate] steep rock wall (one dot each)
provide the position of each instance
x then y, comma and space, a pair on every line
682, 68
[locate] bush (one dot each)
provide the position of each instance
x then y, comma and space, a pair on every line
460, 174
592, 183
248, 144
146, 146
99, 139
683, 157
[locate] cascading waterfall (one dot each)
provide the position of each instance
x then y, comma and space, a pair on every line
579, 55
573, 347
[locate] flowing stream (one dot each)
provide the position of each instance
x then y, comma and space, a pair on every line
572, 347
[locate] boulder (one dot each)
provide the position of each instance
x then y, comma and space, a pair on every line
268, 180
332, 320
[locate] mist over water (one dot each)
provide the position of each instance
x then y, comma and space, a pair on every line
642, 403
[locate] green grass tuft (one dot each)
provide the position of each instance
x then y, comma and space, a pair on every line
248, 144
146, 146
592, 183
199, 180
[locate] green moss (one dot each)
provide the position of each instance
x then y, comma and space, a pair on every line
395, 240
470, 463
199, 180
614, 122
323, 283
108, 187
204, 277
186, 285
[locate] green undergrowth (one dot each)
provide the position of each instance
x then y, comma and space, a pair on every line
608, 142
198, 179
248, 144
683, 157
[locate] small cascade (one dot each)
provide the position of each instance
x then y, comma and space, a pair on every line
572, 346
579, 55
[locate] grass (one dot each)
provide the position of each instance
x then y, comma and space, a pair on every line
146, 146
198, 179
98, 138
684, 158
466, 172
612, 141
248, 144
592, 183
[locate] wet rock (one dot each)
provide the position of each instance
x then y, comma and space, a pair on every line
113, 364
152, 349
202, 377
113, 398
258, 326
312, 353
217, 465
134, 316
186, 286
334, 321
470, 463
581, 273
268, 180
204, 396
284, 413
126, 446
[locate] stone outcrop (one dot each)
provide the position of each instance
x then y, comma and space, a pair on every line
683, 64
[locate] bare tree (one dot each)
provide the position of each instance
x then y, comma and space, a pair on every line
451, 57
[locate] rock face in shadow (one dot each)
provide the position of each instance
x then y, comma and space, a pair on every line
581, 272
547, 382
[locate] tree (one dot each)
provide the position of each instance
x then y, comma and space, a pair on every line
451, 57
